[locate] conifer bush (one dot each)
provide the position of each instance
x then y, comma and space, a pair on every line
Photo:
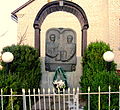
24, 72
97, 72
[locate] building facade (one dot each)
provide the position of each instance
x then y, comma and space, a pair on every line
100, 19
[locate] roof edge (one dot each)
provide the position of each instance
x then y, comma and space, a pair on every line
13, 14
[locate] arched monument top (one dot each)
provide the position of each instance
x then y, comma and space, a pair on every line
66, 6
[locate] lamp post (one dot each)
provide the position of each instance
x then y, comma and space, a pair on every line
7, 57
108, 57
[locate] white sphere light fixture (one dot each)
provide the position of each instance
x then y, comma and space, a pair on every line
7, 57
108, 56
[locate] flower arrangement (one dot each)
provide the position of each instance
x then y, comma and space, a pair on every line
60, 80
59, 85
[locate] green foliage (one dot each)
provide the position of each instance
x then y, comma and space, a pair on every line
59, 71
24, 72
97, 72
60, 80
93, 58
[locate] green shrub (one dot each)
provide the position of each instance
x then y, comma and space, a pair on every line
97, 72
93, 58
24, 72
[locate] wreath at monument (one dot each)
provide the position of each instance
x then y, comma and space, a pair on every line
60, 80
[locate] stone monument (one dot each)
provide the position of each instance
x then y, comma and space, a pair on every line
60, 49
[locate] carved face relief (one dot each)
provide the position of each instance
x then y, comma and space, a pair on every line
60, 49
69, 39
52, 37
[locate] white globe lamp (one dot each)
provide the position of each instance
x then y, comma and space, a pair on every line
7, 57
108, 56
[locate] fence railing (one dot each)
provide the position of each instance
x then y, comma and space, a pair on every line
69, 99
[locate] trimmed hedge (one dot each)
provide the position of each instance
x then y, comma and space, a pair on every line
97, 72
24, 72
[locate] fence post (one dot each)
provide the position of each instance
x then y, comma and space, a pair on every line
34, 99
2, 99
24, 100
44, 99
29, 99
54, 98
74, 99
109, 96
99, 98
49, 99
59, 99
64, 99
69, 98
11, 99
77, 98
88, 98
39, 99
119, 97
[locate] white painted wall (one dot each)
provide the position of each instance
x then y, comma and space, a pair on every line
8, 27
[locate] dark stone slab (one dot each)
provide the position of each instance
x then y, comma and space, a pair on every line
60, 49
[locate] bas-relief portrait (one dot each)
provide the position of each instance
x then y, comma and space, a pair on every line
60, 49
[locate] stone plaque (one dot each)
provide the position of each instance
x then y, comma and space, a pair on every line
60, 49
